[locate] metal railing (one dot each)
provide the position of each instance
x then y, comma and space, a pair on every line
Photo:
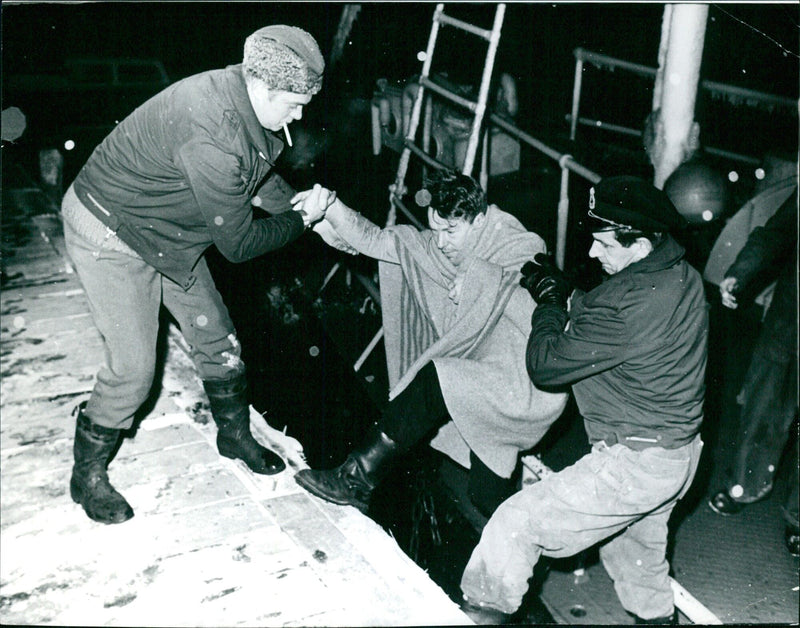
732, 92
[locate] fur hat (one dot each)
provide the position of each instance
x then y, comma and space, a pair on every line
285, 58
631, 203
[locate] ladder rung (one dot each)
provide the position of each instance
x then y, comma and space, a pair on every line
446, 93
431, 161
465, 26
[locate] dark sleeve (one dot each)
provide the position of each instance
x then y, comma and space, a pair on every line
274, 194
768, 244
592, 342
216, 180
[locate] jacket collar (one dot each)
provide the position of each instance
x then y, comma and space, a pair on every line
267, 144
665, 255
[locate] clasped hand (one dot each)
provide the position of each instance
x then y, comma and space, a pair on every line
312, 204
545, 281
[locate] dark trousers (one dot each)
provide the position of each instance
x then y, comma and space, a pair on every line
416, 412
769, 409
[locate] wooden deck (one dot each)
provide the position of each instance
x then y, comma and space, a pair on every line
211, 543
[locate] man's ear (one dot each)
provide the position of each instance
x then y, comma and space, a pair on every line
645, 247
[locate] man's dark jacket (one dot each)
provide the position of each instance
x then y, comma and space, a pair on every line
771, 248
183, 171
634, 351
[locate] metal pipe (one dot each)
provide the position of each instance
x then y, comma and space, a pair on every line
602, 60
451, 96
691, 606
563, 214
587, 174
401, 206
464, 26
576, 96
431, 161
607, 126
365, 354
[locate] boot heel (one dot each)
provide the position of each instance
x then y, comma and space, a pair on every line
75, 493
226, 450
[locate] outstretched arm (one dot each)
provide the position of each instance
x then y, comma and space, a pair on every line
355, 230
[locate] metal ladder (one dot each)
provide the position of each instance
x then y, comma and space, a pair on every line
478, 107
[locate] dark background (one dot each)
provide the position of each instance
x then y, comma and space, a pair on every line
537, 38
536, 44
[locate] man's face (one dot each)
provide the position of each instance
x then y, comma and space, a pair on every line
274, 108
454, 236
611, 254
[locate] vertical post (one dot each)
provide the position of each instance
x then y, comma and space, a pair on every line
681, 75
375, 119
427, 129
666, 22
563, 213
576, 93
484, 174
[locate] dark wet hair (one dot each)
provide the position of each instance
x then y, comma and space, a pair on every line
455, 195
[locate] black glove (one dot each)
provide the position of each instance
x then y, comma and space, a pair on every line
546, 283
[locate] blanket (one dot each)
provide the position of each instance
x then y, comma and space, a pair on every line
478, 344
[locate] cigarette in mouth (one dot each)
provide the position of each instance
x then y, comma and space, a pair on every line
288, 137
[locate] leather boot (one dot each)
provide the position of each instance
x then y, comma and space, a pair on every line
89, 485
485, 616
352, 482
231, 412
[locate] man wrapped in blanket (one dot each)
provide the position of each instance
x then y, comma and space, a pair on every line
456, 324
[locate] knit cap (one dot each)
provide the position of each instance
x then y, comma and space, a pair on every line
286, 58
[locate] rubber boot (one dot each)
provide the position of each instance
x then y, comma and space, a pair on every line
669, 620
231, 412
89, 485
352, 482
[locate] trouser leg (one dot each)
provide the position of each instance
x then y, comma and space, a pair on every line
791, 500
486, 489
208, 329
416, 411
420, 409
769, 407
636, 560
206, 325
124, 296
569, 511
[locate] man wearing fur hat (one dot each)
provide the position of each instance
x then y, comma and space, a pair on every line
634, 350
179, 174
